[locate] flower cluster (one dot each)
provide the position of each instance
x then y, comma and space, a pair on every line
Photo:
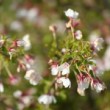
11, 50
46, 99
26, 64
24, 98
61, 72
15, 50
76, 56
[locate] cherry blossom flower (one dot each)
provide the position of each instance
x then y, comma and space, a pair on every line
54, 69
16, 26
17, 93
64, 82
27, 43
25, 99
46, 99
71, 14
83, 81
78, 34
97, 85
98, 69
32, 14
97, 44
1, 87
32, 76
20, 43
22, 13
28, 61
64, 68
28, 74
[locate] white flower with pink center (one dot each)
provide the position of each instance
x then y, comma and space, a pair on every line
97, 85
97, 44
64, 68
28, 61
71, 14
64, 81
46, 99
25, 99
83, 81
33, 77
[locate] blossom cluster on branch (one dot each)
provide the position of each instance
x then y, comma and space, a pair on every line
69, 55
75, 56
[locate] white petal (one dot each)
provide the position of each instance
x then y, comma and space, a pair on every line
26, 39
46, 99
72, 14
83, 84
32, 14
16, 26
20, 43
26, 100
78, 34
81, 91
17, 93
35, 79
54, 70
64, 68
99, 87
64, 81
98, 43
28, 74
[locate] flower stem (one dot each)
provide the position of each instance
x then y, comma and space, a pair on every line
7, 70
